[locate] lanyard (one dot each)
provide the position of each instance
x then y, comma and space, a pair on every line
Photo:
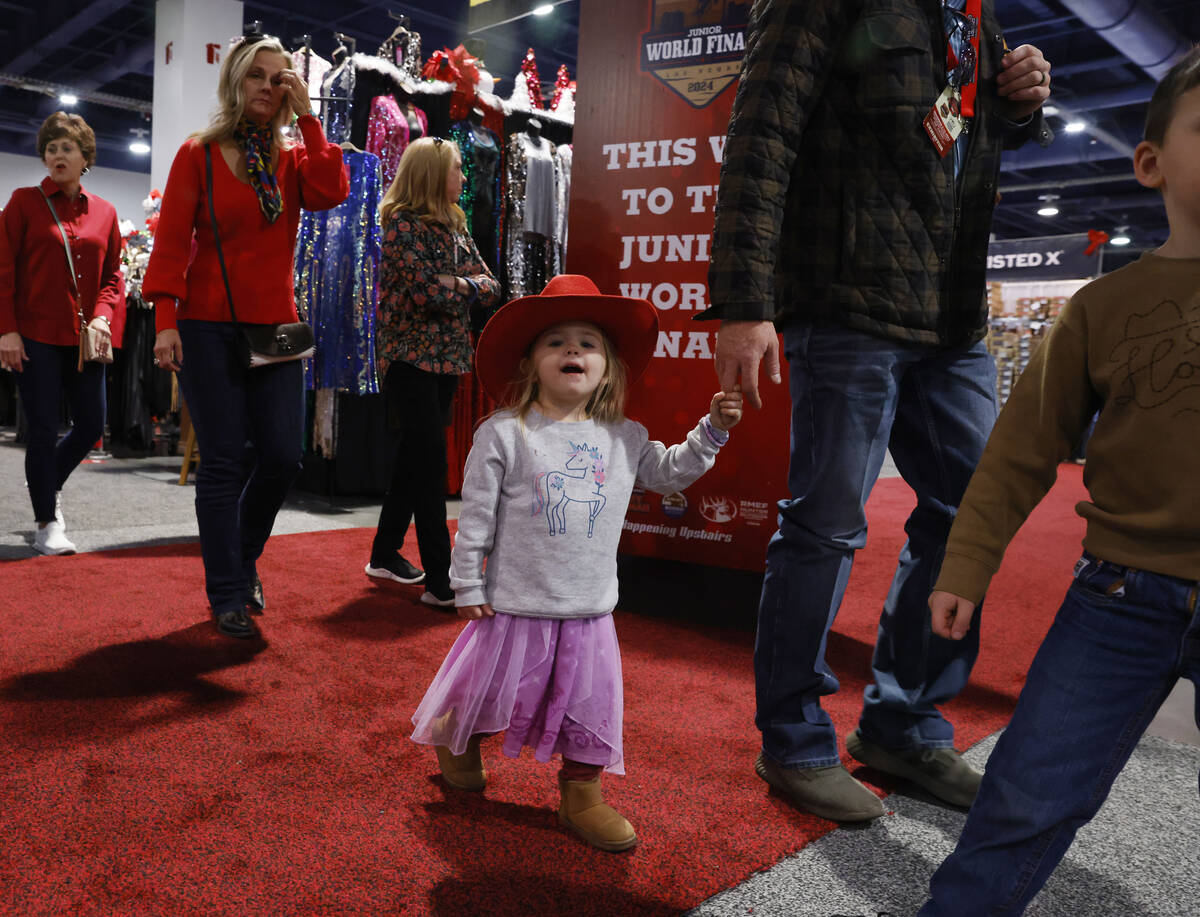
964, 68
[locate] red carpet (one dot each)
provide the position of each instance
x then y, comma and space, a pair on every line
152, 767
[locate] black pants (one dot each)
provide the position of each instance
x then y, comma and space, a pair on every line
418, 406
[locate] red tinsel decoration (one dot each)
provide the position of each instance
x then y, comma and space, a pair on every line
562, 83
532, 81
1096, 238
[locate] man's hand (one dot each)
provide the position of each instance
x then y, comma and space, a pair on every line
1023, 82
950, 615
741, 346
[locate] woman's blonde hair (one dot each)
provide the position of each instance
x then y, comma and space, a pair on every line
607, 404
231, 98
420, 185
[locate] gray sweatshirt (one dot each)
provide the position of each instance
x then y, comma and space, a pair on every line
543, 503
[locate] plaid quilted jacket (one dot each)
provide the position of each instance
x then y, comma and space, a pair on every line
833, 203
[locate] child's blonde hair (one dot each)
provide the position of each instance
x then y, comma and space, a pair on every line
420, 185
607, 404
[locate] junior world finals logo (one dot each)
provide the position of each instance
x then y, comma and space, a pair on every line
695, 46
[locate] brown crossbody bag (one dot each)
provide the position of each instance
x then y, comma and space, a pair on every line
89, 338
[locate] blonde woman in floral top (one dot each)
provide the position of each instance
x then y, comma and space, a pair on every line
432, 277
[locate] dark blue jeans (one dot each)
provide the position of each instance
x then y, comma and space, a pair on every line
1121, 640
855, 396
49, 460
238, 493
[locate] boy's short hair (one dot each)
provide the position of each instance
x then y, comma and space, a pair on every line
1181, 78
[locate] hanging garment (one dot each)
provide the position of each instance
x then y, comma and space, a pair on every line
562, 175
335, 115
337, 271
312, 69
480, 198
390, 130
403, 49
529, 215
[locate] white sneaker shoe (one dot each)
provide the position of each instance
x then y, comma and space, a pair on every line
51, 539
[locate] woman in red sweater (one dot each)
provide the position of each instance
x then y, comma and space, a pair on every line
40, 307
260, 182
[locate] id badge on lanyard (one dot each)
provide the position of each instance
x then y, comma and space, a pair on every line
947, 118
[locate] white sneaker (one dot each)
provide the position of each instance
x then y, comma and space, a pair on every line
430, 599
51, 539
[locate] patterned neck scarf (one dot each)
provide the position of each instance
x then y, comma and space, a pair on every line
257, 140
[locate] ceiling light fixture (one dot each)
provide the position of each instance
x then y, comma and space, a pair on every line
68, 98
1049, 210
544, 10
1120, 236
139, 145
1049, 110
1075, 127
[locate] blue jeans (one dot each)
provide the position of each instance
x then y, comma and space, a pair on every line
1121, 640
238, 491
855, 396
49, 461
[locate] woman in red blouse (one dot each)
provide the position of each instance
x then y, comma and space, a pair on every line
431, 276
260, 182
39, 309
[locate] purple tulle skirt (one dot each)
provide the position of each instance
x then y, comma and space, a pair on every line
551, 684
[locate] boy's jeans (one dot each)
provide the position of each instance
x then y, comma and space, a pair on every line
1121, 640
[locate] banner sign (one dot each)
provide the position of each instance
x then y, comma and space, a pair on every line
1044, 258
656, 83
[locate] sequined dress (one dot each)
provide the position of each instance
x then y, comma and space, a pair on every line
338, 85
337, 277
390, 130
529, 248
480, 198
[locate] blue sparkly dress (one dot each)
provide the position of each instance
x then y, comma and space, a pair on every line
337, 282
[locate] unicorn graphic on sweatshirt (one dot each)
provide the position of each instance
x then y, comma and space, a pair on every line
579, 483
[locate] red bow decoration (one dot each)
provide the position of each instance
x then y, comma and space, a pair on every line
459, 67
1096, 238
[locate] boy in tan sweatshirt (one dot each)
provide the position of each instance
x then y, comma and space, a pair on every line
1127, 345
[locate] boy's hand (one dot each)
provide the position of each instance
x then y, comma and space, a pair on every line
725, 410
950, 615
475, 612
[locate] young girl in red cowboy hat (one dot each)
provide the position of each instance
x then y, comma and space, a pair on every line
544, 496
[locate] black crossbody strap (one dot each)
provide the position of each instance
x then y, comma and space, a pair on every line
212, 216
63, 232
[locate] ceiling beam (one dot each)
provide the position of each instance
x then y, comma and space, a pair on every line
90, 15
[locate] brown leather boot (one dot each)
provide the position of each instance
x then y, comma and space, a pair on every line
583, 811
465, 771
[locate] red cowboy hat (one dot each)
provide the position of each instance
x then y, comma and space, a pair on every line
631, 325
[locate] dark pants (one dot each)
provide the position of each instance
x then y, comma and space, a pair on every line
230, 406
418, 406
49, 460
1121, 640
854, 397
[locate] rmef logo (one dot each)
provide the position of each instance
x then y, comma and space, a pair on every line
717, 509
695, 46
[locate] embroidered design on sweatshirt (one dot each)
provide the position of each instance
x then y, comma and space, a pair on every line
1158, 358
554, 491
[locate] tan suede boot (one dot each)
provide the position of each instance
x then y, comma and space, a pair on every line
465, 771
583, 811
